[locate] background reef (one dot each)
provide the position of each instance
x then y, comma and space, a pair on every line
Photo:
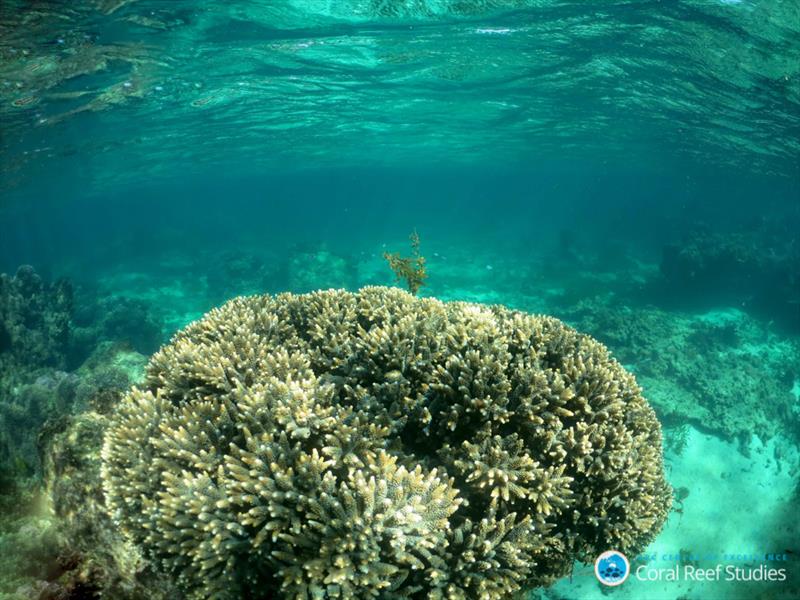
712, 366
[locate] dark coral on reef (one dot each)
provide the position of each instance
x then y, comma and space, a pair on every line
372, 444
57, 540
34, 320
34, 339
52, 394
117, 318
757, 268
23, 412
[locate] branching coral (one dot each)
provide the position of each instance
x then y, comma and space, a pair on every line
372, 444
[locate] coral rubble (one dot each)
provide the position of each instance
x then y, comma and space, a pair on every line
372, 444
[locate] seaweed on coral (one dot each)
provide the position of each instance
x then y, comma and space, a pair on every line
372, 444
409, 269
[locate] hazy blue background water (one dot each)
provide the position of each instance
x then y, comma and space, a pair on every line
134, 127
520, 211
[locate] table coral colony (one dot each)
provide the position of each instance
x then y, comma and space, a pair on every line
374, 444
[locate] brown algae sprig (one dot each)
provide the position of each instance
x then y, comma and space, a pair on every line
410, 269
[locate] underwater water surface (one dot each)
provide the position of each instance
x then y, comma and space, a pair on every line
629, 168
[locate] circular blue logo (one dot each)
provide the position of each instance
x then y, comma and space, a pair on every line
612, 568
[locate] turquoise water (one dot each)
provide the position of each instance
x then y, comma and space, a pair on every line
631, 168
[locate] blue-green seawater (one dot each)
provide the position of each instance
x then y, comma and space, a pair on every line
632, 168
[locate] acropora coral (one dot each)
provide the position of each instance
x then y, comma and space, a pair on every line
377, 445
409, 269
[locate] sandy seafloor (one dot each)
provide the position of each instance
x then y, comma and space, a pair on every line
735, 504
